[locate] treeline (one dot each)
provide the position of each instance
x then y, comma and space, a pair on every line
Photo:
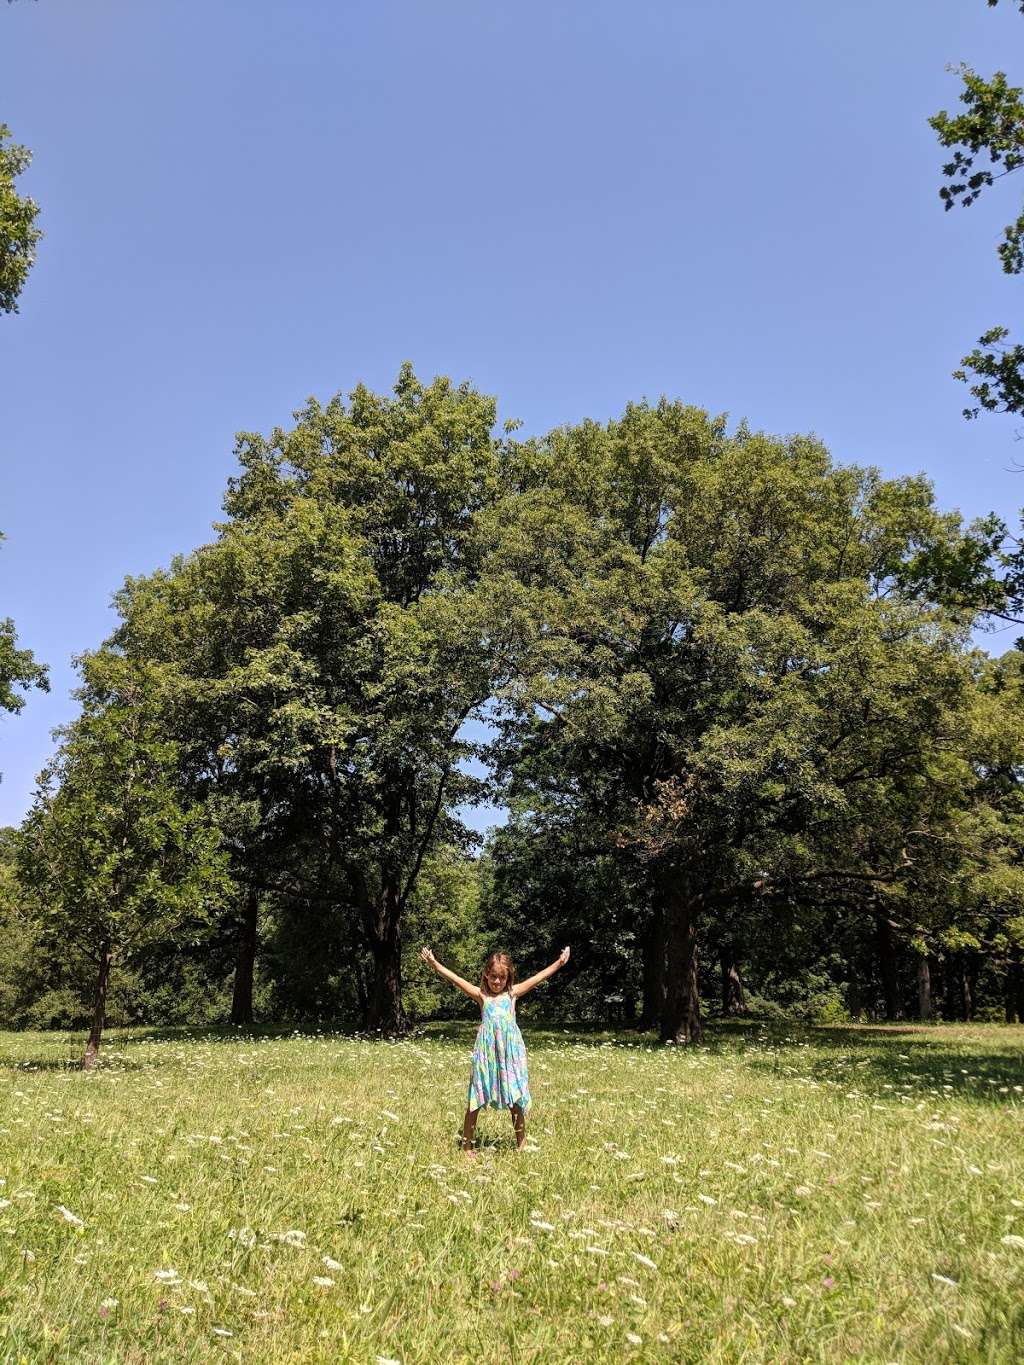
732, 705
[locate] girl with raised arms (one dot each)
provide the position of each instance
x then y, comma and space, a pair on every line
498, 1077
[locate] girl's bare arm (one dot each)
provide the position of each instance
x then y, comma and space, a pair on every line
472, 991
531, 981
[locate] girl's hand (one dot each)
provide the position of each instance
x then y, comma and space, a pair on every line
427, 955
563, 957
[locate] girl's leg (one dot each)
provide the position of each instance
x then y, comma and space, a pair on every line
468, 1130
519, 1123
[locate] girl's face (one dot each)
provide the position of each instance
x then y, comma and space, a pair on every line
496, 978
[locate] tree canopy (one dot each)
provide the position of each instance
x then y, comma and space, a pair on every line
18, 233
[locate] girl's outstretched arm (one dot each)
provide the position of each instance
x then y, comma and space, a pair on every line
531, 981
472, 991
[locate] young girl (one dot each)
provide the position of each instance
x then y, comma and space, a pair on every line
498, 1077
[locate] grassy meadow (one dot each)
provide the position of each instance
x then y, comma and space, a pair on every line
777, 1195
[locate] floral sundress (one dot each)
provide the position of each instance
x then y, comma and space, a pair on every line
499, 1076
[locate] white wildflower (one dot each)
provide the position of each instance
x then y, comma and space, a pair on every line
644, 1260
167, 1276
1012, 1240
70, 1217
324, 1281
331, 1264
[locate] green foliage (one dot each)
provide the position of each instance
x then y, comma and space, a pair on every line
319, 660
445, 914
991, 126
999, 370
115, 860
18, 233
736, 712
17, 669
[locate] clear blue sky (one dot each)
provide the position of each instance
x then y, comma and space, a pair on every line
572, 204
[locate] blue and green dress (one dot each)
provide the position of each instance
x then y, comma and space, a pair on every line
499, 1077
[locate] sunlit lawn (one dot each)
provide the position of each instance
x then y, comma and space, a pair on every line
844, 1194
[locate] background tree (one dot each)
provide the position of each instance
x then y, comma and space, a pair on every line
18, 669
716, 662
18, 233
987, 142
323, 654
117, 858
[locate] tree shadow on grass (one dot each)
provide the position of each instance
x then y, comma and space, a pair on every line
542, 1033
27, 1066
973, 1064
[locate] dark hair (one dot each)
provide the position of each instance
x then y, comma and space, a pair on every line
498, 960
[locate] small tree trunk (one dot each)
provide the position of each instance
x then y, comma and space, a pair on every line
853, 997
245, 962
1015, 989
940, 987
653, 945
680, 1019
733, 999
887, 965
361, 997
967, 976
99, 1012
385, 1013
924, 989
955, 993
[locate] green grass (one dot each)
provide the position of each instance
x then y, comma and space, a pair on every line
777, 1196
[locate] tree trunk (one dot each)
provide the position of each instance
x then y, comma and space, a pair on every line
680, 1017
733, 999
1015, 989
968, 971
245, 962
385, 1013
951, 992
924, 988
653, 944
885, 946
361, 997
854, 1004
99, 1013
